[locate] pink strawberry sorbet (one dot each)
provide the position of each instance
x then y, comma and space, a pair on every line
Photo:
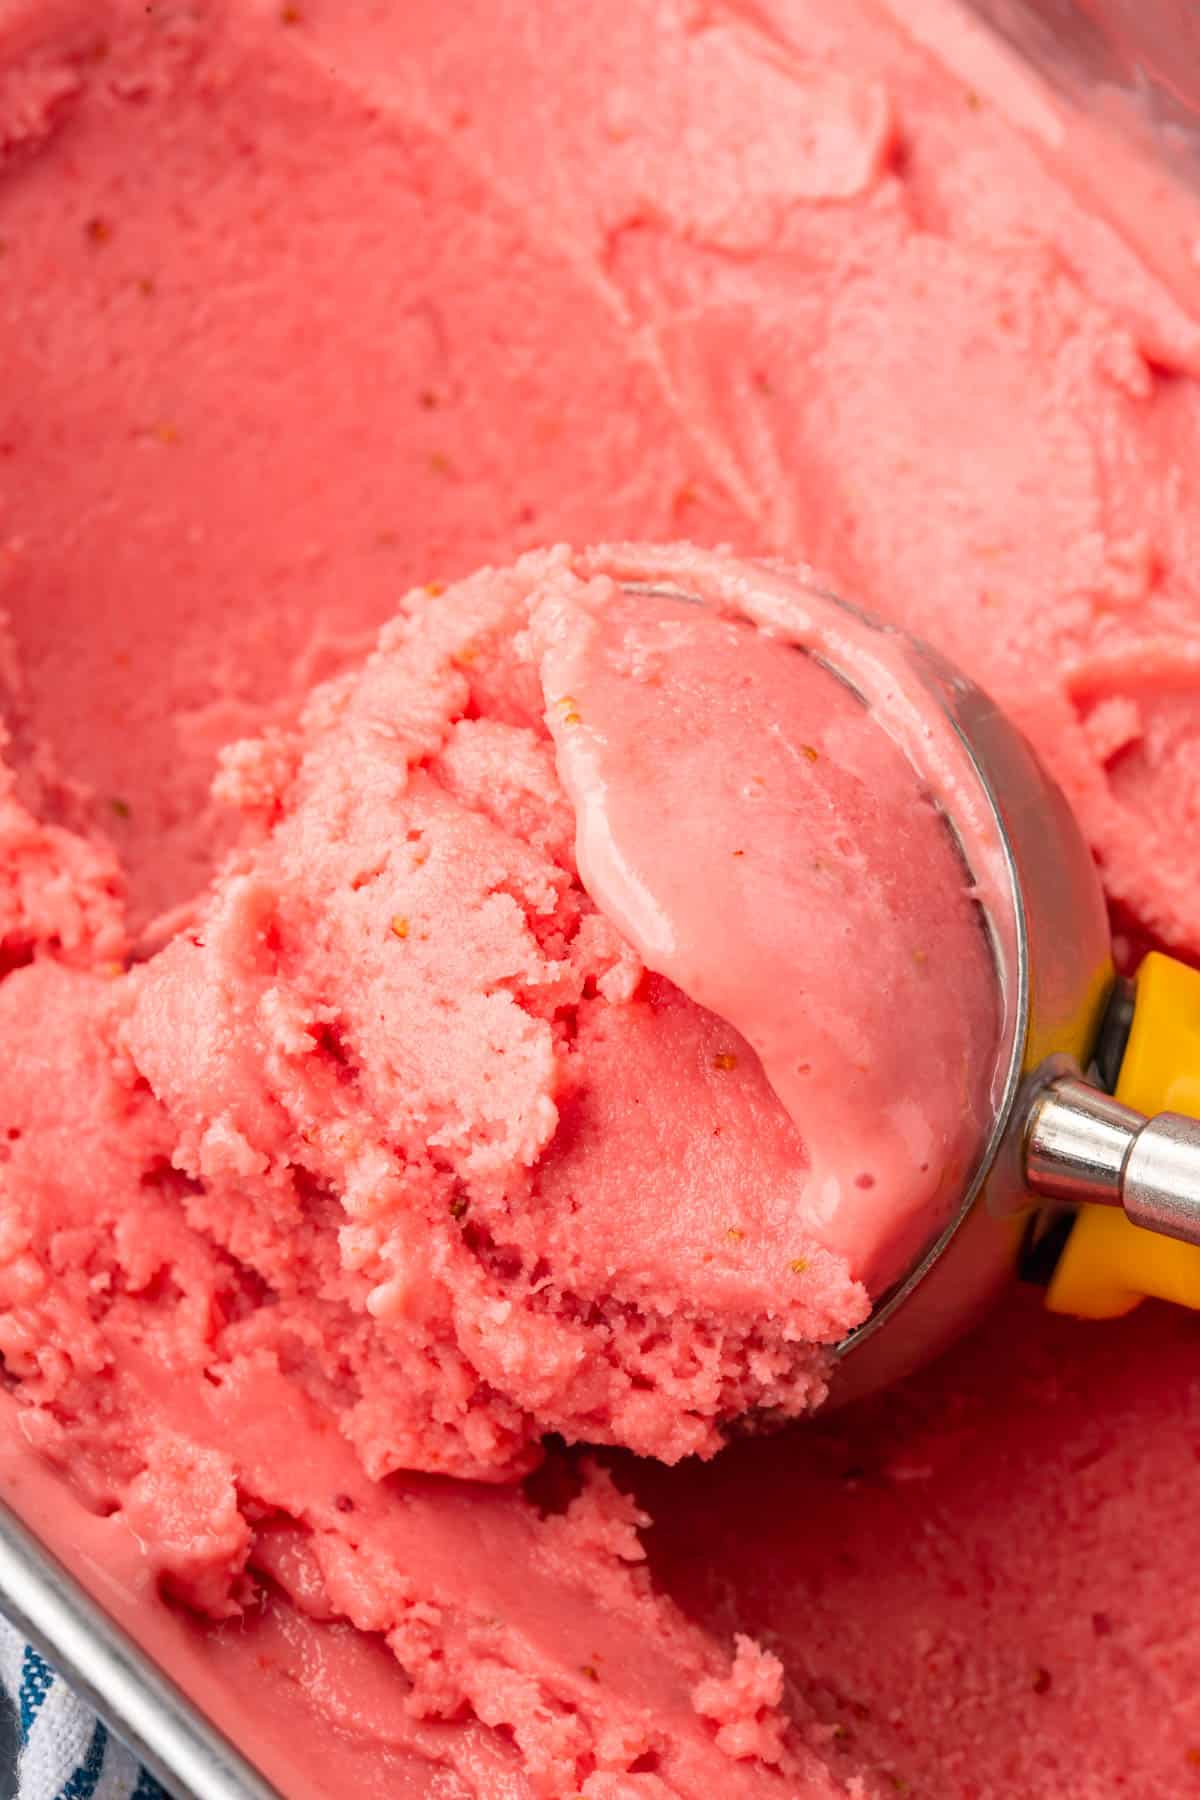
343, 1162
396, 1149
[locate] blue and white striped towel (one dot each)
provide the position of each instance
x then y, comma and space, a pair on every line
65, 1753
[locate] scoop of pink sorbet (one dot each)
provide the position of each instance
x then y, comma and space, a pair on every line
747, 822
555, 1187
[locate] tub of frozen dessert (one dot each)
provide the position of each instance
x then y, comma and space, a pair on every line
318, 1047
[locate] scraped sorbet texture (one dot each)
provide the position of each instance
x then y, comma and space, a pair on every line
556, 1196
445, 1008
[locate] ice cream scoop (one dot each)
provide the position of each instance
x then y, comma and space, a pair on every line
1055, 1135
1026, 924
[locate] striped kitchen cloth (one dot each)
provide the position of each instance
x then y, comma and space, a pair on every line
65, 1752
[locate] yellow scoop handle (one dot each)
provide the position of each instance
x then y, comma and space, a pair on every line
1108, 1266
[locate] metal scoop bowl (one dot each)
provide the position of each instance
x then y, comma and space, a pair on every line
1055, 1135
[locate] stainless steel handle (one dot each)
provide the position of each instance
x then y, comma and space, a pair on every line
1082, 1145
164, 1729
